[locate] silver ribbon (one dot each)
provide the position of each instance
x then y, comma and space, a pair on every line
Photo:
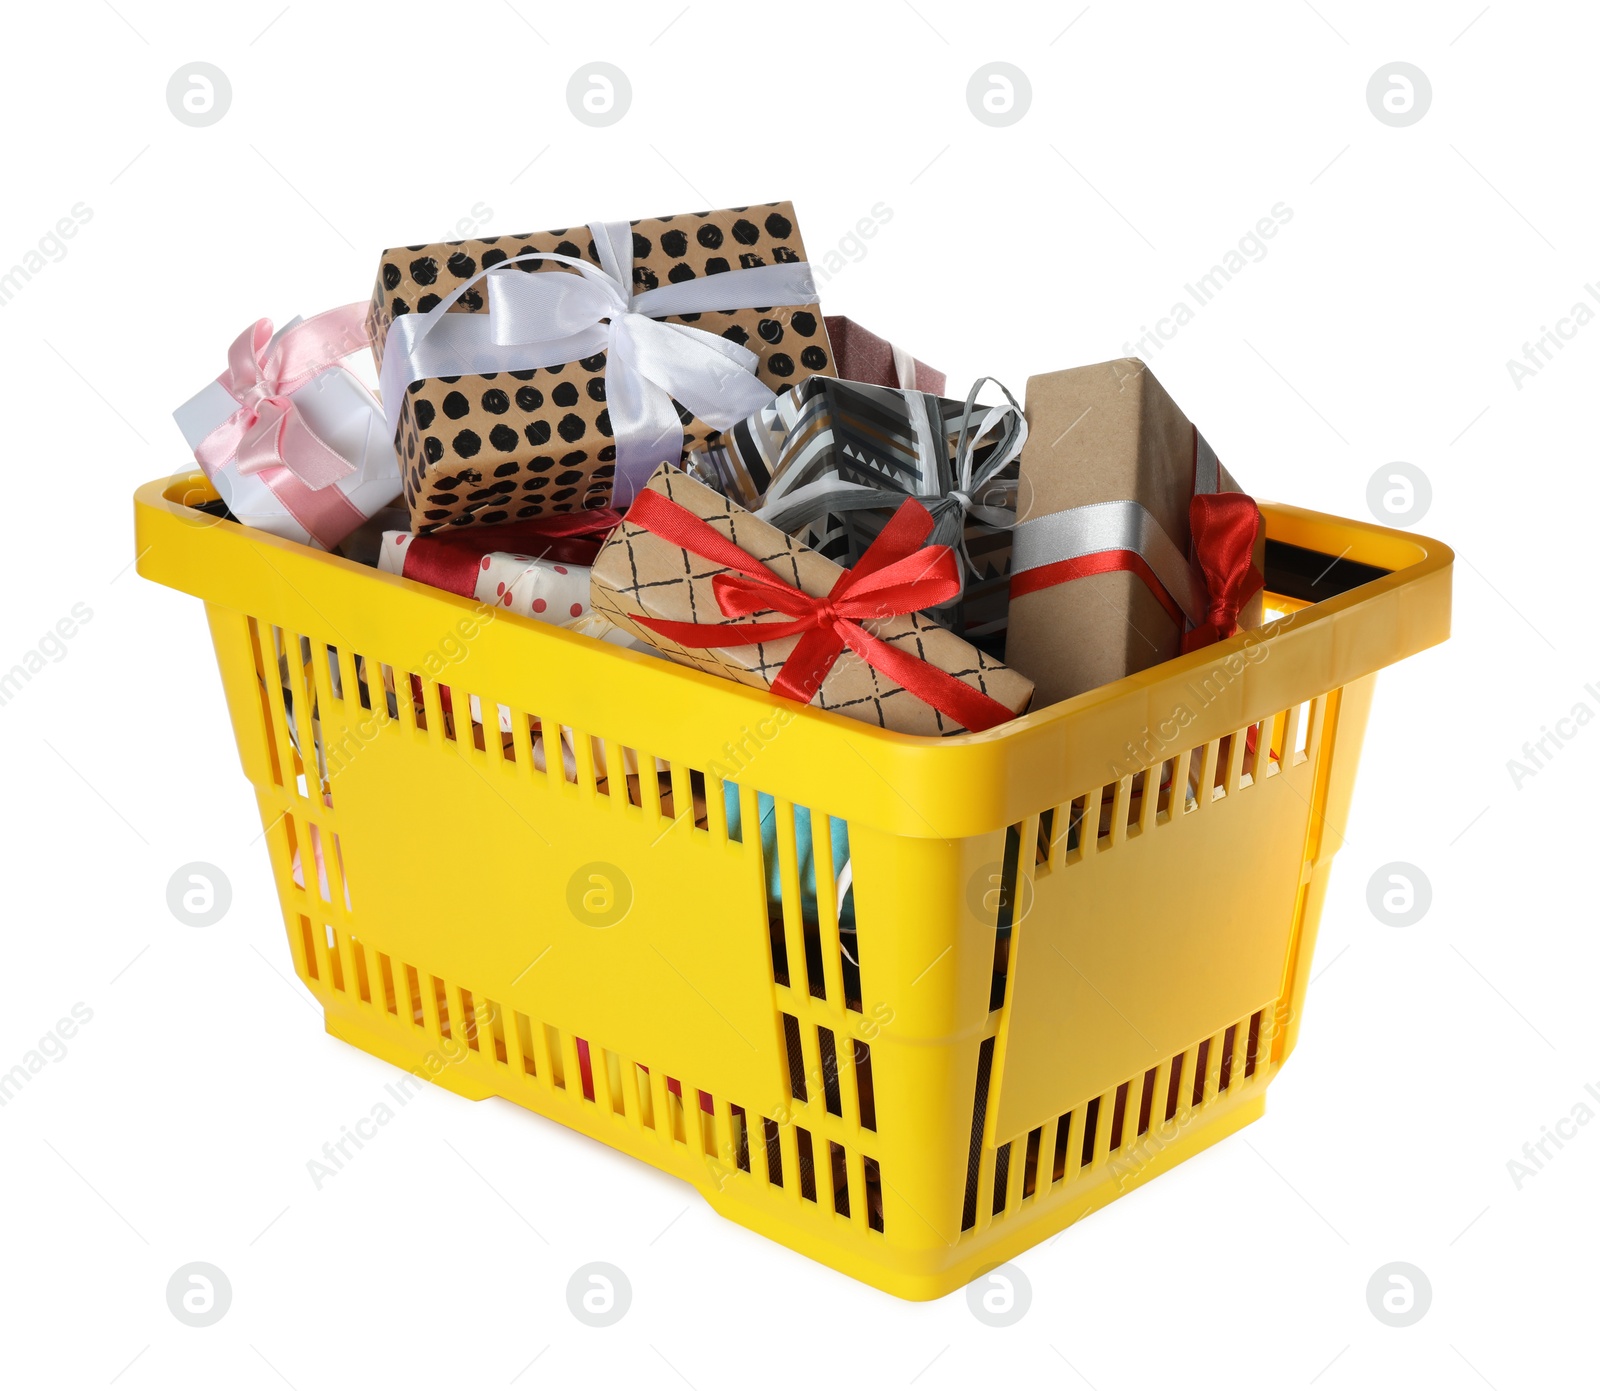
972, 489
538, 320
1124, 525
1207, 468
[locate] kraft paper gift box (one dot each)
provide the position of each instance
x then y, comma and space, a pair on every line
643, 577
294, 444
553, 371
830, 460
1106, 576
859, 355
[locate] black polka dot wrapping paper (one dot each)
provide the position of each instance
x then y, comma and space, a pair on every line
507, 446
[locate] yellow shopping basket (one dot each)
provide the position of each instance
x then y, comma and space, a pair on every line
1074, 949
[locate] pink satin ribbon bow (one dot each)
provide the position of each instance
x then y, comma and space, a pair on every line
266, 431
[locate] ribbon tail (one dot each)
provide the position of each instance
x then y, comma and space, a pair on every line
947, 694
802, 675
904, 532
713, 378
644, 423
308, 456
327, 514
1224, 527
222, 444
282, 438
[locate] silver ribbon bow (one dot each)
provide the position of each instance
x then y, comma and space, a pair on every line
956, 488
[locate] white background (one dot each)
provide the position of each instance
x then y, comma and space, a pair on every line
178, 1124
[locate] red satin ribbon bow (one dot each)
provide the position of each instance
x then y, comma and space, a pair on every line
1223, 529
896, 575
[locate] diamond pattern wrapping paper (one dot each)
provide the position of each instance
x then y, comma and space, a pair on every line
640, 574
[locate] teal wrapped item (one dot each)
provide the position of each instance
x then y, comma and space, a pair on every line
767, 814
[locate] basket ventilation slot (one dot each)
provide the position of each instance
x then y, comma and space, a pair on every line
1121, 810
1118, 1132
476, 1031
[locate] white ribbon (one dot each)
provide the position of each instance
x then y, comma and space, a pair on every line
538, 320
905, 367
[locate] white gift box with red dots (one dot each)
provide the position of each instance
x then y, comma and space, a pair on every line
521, 584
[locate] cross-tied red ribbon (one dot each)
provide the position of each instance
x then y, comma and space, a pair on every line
1223, 528
896, 575
267, 431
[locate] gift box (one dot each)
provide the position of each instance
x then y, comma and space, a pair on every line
553, 371
543, 589
1132, 542
859, 355
829, 461
533, 569
719, 589
293, 443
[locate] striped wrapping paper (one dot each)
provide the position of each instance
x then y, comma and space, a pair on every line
830, 460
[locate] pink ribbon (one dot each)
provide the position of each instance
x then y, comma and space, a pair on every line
268, 436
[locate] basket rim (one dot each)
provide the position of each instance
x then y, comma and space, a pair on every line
1410, 603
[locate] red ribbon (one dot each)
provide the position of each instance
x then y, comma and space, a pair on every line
1223, 529
892, 577
451, 560
1096, 563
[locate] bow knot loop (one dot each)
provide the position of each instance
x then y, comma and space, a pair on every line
257, 397
267, 431
1223, 528
826, 616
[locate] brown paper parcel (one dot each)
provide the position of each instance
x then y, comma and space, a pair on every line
1100, 434
639, 574
516, 444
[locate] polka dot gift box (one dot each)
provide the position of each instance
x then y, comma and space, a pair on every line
552, 371
556, 592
